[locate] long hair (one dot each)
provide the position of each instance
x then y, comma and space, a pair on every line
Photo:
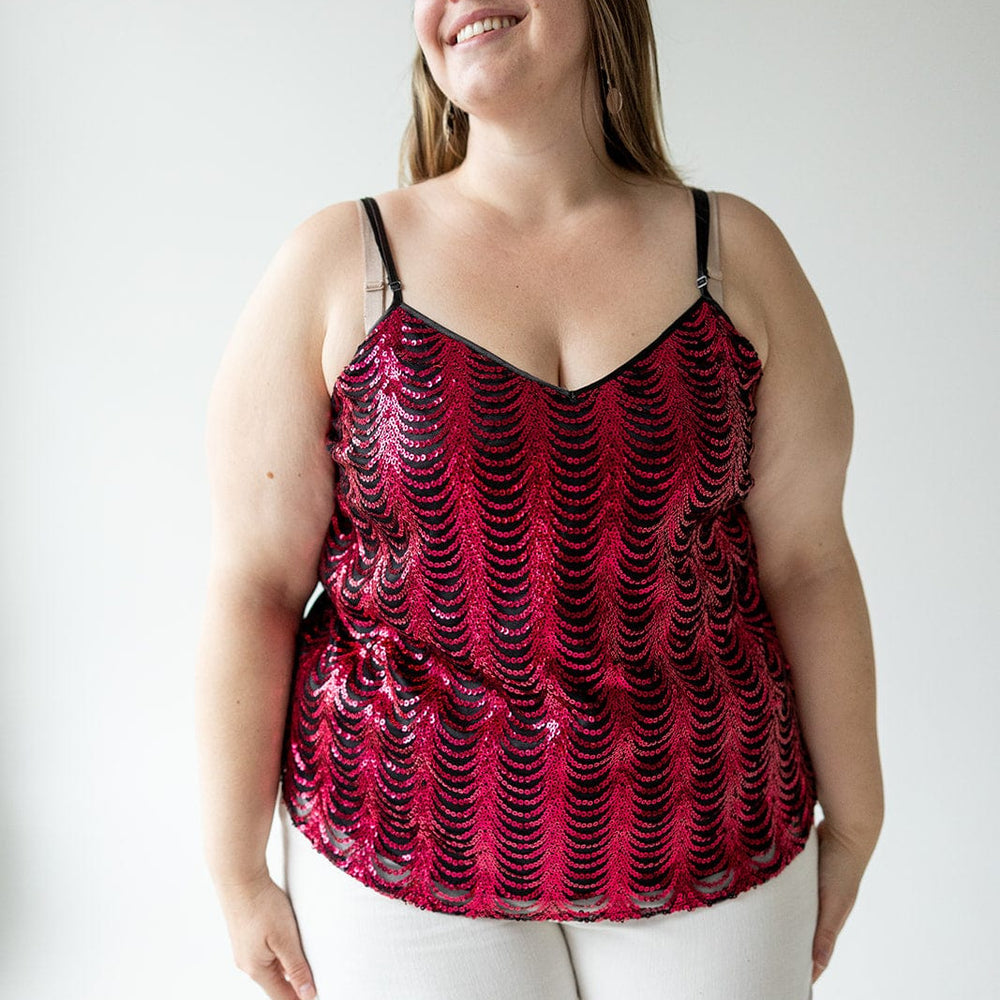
623, 50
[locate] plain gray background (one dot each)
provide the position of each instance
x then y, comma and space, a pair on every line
155, 155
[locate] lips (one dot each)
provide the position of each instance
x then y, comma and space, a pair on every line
482, 14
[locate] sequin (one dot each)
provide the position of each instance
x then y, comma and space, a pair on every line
541, 680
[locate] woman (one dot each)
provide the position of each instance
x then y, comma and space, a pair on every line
537, 736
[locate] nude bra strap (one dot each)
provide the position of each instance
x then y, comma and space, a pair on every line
380, 269
714, 264
707, 232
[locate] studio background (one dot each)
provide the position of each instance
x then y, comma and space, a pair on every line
153, 156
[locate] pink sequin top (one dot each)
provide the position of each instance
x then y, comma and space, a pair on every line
540, 680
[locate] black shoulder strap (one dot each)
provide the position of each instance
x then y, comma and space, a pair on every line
375, 218
701, 218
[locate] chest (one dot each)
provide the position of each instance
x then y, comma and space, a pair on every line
432, 433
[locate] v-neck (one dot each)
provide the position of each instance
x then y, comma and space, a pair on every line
704, 301
485, 352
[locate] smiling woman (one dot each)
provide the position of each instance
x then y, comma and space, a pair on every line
623, 50
558, 719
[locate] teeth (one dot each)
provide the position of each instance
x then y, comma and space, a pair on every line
487, 24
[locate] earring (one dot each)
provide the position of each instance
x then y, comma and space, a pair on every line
612, 95
615, 101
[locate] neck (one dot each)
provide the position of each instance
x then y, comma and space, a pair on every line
538, 165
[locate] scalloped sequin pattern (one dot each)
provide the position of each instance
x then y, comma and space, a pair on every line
541, 681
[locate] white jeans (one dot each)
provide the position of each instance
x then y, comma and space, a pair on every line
366, 946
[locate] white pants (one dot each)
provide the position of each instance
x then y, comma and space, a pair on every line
366, 946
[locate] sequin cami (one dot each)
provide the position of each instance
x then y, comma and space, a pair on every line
540, 680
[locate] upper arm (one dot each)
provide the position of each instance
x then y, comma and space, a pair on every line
803, 427
271, 478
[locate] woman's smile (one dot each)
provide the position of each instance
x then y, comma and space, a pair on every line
492, 26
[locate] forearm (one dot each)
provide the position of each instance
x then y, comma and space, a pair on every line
243, 675
823, 624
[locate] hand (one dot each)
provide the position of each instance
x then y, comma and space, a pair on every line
265, 938
842, 861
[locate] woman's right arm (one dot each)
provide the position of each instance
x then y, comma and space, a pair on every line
271, 483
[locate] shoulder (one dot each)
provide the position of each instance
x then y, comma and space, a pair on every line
319, 256
283, 323
763, 278
753, 245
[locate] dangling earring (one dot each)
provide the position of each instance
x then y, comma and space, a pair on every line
612, 95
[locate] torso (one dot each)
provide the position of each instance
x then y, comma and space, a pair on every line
568, 304
541, 626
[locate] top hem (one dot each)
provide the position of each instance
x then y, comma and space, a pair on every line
551, 912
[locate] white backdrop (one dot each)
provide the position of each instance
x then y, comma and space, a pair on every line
155, 155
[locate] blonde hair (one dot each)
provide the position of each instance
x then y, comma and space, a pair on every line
623, 49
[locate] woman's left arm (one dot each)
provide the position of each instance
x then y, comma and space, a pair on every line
803, 433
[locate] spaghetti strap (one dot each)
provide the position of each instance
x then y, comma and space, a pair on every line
375, 217
701, 216
375, 279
